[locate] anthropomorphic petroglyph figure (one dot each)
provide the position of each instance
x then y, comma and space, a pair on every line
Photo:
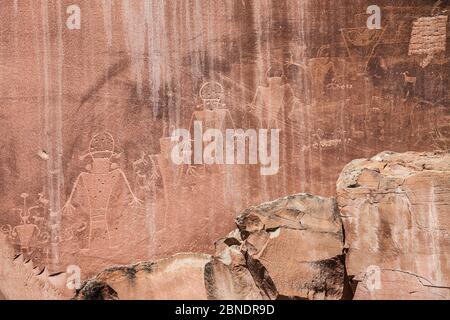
212, 114
372, 278
321, 68
101, 206
315, 72
271, 101
29, 235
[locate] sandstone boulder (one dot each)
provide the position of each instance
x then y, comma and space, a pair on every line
385, 284
176, 278
294, 247
396, 215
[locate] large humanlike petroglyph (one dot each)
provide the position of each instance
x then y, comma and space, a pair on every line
91, 93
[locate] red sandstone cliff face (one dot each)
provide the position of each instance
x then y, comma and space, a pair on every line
387, 237
133, 73
396, 214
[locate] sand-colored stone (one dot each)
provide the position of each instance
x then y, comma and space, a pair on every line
393, 214
294, 247
134, 71
395, 210
21, 280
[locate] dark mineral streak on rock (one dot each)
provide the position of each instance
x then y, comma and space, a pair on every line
96, 290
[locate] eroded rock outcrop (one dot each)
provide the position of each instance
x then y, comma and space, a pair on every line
386, 236
288, 248
396, 215
227, 276
294, 247
175, 278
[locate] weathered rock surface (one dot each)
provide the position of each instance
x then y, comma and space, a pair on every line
175, 278
134, 70
288, 248
21, 280
396, 214
227, 277
294, 247
397, 285
386, 236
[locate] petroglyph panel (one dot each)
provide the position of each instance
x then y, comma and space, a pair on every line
133, 72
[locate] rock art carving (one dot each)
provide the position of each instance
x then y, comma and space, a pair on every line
288, 248
270, 102
212, 114
428, 38
134, 77
321, 67
293, 247
372, 278
361, 44
147, 174
101, 204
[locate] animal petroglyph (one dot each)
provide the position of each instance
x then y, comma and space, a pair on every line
409, 85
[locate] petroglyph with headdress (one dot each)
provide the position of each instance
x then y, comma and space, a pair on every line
102, 205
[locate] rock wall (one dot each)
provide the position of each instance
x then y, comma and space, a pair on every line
86, 114
289, 248
21, 280
386, 236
